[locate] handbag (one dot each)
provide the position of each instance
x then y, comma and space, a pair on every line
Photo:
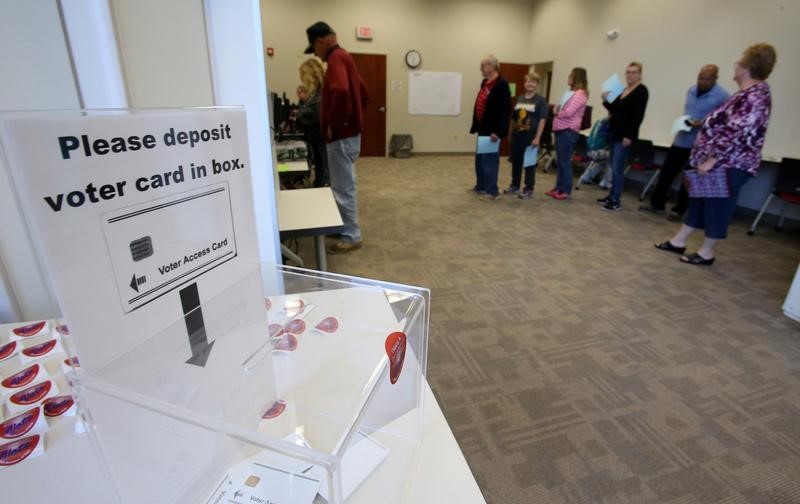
714, 184
586, 120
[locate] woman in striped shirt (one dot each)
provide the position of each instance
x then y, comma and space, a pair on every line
567, 127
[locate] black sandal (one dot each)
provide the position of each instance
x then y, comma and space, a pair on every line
697, 260
669, 247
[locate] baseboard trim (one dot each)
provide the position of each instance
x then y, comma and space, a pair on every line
415, 153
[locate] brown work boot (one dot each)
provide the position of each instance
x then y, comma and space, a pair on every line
342, 247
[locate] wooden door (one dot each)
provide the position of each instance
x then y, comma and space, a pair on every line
515, 74
372, 68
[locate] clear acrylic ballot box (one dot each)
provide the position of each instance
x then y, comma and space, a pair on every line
204, 376
298, 386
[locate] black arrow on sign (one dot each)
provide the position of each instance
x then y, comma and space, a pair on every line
134, 285
193, 316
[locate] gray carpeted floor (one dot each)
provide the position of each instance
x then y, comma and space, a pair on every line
574, 362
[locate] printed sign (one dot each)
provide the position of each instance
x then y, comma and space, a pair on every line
167, 265
130, 207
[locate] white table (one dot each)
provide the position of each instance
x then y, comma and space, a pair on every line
73, 473
309, 212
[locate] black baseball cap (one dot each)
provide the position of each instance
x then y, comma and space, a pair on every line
317, 30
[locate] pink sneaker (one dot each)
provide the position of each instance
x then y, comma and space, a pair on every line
551, 192
561, 196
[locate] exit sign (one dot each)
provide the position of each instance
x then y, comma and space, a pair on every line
364, 32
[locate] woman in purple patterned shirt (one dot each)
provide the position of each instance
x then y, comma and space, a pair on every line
725, 155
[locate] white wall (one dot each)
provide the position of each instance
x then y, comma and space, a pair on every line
164, 55
164, 52
451, 35
237, 69
35, 73
673, 39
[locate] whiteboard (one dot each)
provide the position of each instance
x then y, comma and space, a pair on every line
434, 93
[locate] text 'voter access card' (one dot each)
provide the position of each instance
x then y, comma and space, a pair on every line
157, 246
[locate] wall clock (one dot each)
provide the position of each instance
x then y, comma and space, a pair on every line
413, 59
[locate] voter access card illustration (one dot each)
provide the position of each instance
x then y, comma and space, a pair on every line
157, 246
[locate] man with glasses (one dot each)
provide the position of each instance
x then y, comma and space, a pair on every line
490, 118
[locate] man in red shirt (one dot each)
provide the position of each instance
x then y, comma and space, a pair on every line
344, 98
490, 119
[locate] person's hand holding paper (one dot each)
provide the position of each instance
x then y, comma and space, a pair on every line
680, 125
614, 87
531, 156
487, 146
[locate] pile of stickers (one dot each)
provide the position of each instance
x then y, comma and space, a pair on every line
283, 335
34, 383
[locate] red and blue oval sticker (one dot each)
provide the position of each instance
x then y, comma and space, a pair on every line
396, 351
29, 330
19, 425
17, 451
24, 377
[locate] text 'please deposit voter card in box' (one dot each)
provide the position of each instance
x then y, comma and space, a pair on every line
157, 246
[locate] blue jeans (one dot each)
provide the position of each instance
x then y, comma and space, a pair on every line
487, 167
715, 214
619, 155
521, 140
342, 155
565, 145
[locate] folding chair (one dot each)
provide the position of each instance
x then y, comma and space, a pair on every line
787, 189
546, 146
597, 162
641, 158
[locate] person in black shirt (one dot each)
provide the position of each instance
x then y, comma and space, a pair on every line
490, 118
627, 113
527, 124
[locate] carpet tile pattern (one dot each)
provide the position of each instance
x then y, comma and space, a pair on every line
576, 363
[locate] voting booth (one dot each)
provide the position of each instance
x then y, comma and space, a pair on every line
198, 373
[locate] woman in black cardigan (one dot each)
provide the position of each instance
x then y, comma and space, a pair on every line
491, 118
627, 113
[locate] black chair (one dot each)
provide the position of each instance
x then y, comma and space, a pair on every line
641, 158
787, 189
546, 144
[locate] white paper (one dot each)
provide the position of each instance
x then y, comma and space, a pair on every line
434, 93
565, 97
614, 86
255, 483
486, 146
531, 156
680, 125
